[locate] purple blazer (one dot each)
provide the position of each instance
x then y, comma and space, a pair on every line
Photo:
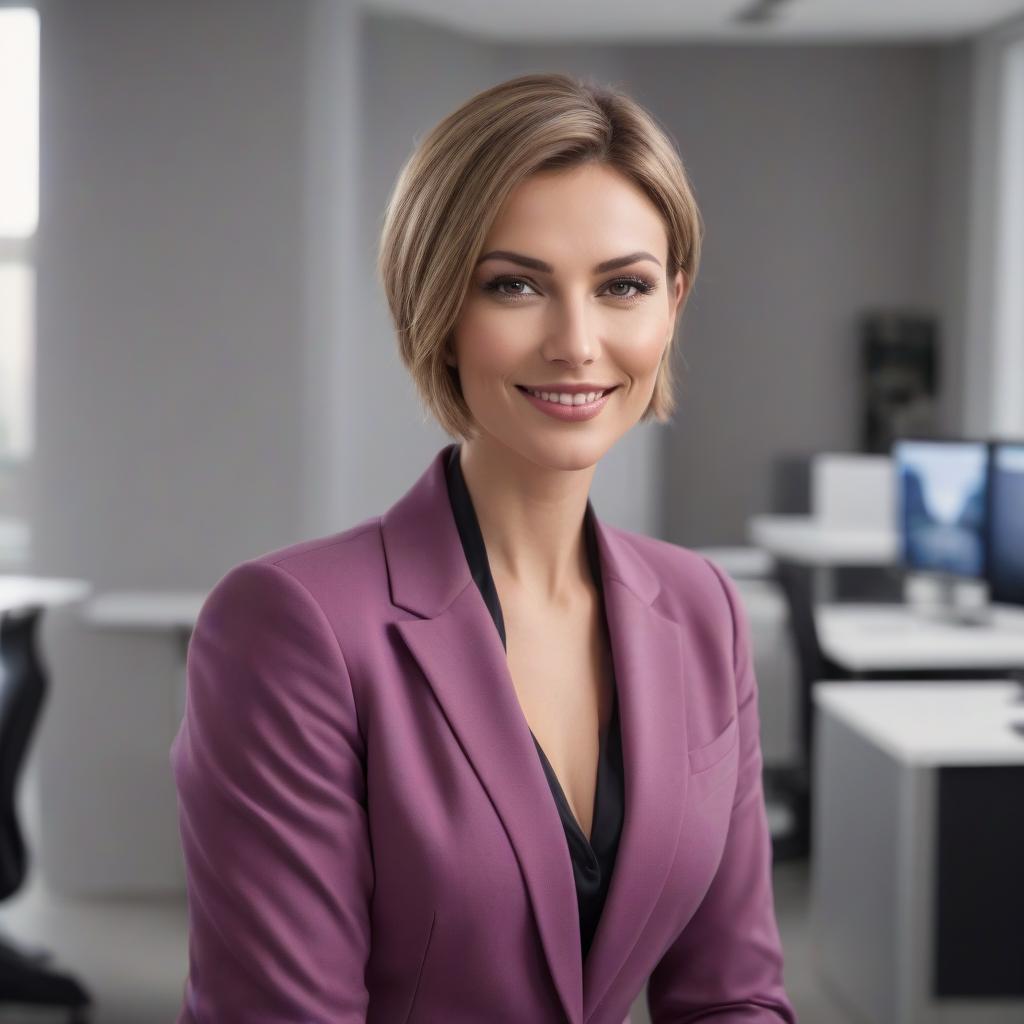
368, 831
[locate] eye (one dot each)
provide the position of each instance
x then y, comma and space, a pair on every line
642, 285
497, 284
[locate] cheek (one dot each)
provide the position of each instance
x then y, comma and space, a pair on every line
640, 353
488, 345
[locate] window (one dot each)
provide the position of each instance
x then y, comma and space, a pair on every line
19, 216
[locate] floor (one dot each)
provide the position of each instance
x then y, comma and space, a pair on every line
132, 955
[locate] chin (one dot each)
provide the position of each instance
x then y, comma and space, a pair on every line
569, 453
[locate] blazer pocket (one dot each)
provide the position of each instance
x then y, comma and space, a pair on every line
703, 759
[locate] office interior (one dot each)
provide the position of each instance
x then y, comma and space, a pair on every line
197, 366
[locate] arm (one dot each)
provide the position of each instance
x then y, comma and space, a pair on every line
726, 965
268, 764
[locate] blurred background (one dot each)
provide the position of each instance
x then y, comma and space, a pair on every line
197, 366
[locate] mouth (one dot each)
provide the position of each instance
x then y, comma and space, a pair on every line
569, 399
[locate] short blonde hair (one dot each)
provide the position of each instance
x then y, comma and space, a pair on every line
454, 183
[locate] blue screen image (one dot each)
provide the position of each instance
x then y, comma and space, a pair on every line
942, 495
1006, 539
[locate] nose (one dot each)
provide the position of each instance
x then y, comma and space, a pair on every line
573, 336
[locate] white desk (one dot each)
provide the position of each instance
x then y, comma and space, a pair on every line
173, 612
741, 562
915, 919
160, 611
30, 593
810, 541
893, 638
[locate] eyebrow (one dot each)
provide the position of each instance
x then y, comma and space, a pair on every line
535, 264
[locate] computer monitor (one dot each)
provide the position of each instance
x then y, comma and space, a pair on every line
942, 496
1006, 523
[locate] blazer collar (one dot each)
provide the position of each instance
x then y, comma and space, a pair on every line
455, 644
426, 562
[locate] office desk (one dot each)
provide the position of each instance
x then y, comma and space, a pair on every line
161, 611
854, 640
917, 887
25, 595
873, 638
809, 541
173, 612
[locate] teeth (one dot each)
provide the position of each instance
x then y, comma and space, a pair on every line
563, 398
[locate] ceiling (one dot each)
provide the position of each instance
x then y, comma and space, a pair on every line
804, 21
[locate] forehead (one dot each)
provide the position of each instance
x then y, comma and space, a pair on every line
589, 212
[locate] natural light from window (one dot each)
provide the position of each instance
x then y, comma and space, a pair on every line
19, 217
19, 122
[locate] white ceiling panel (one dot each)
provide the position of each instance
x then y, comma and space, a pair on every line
610, 21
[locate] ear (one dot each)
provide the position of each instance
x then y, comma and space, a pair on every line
680, 291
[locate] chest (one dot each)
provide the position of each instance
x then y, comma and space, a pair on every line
560, 663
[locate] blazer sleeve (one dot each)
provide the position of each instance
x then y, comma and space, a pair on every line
726, 964
268, 765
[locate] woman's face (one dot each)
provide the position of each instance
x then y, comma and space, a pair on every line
543, 311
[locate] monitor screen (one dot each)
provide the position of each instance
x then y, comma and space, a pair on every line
942, 498
1006, 524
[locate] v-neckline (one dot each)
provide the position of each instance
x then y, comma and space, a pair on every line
599, 780
476, 552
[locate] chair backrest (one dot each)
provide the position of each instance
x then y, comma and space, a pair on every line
853, 491
22, 692
797, 584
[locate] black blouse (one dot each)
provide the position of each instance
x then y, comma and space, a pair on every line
592, 860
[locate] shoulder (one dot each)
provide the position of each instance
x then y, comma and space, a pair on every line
356, 549
317, 594
328, 569
276, 617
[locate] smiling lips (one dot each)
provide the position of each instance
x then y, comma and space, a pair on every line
563, 406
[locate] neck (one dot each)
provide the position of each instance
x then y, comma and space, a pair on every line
531, 517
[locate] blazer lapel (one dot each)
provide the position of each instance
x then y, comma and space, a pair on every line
647, 652
460, 654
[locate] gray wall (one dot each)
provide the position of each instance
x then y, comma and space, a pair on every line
412, 75
186, 321
817, 176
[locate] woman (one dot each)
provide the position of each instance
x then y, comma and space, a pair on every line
485, 758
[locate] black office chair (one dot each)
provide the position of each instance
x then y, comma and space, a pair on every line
793, 786
25, 977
